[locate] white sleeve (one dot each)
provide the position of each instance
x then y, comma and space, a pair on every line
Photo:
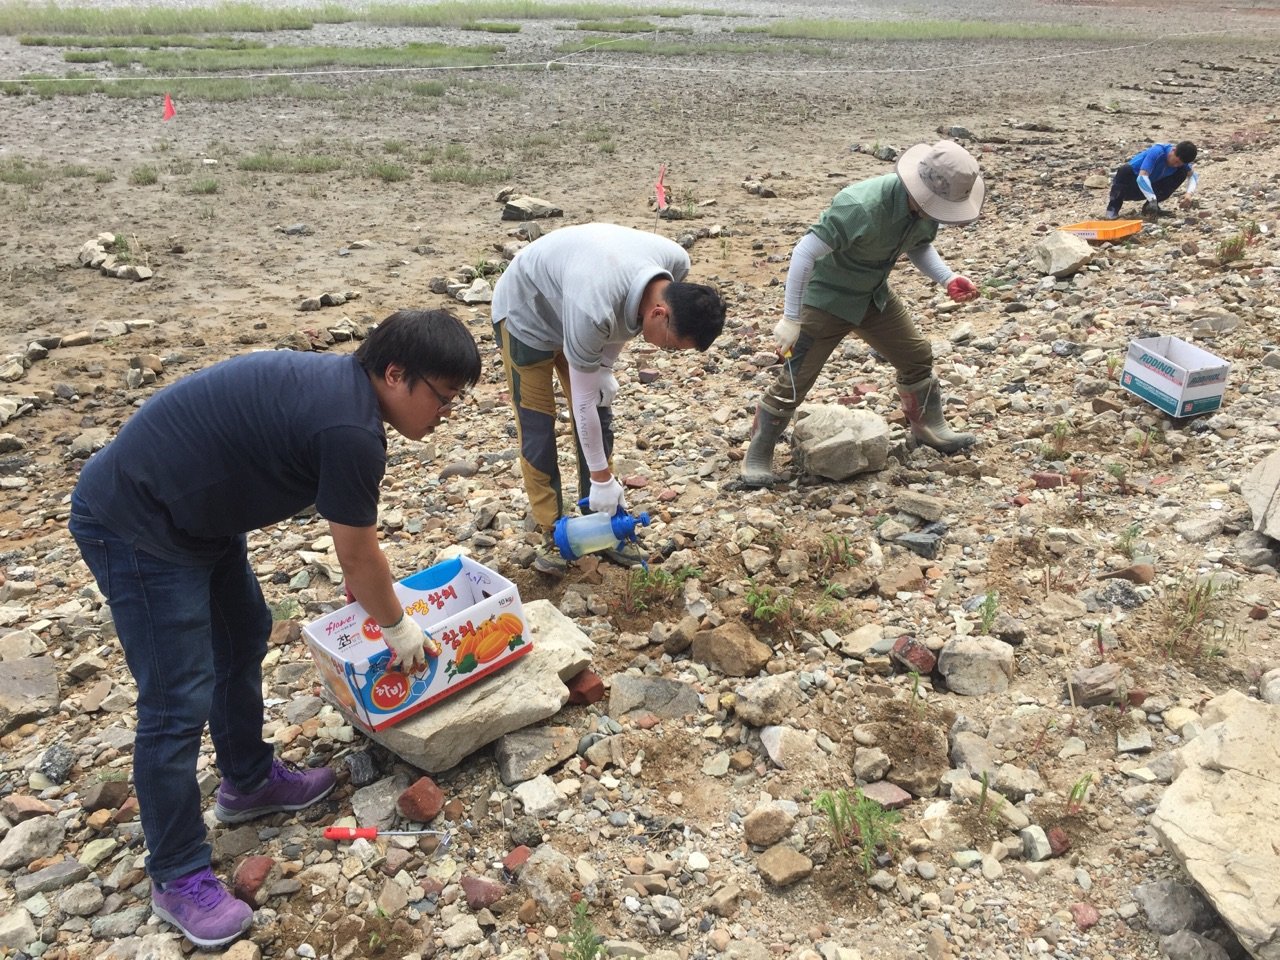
585, 388
807, 252
929, 262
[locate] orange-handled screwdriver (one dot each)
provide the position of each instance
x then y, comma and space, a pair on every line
369, 833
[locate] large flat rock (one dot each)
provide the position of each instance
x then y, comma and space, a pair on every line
531, 689
1219, 817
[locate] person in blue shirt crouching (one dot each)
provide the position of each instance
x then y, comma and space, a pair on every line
1153, 175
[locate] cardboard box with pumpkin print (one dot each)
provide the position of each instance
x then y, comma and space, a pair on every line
474, 625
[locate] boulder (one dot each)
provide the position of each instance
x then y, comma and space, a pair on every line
974, 666
529, 208
1218, 817
531, 689
1061, 254
837, 442
1259, 491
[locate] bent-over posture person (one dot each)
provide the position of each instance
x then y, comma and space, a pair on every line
160, 516
838, 283
565, 308
1153, 175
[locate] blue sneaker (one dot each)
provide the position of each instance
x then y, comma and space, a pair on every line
288, 787
202, 908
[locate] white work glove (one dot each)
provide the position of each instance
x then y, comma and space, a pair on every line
785, 335
608, 389
606, 496
405, 638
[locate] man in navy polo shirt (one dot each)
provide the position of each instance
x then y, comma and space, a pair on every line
1153, 175
161, 516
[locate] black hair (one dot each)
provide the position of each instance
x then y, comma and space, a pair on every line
1186, 151
697, 311
427, 343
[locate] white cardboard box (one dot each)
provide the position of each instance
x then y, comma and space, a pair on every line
472, 614
1175, 376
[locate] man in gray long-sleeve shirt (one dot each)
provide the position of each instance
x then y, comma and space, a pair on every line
566, 306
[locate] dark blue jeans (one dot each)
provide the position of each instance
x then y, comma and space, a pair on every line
194, 639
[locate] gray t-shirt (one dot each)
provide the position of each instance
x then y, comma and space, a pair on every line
578, 288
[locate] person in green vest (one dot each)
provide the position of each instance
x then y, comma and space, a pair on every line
838, 283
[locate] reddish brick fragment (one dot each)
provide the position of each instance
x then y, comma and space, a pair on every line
1059, 842
253, 878
421, 803
586, 687
481, 892
514, 860
911, 654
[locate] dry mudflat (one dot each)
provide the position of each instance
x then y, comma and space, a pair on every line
756, 138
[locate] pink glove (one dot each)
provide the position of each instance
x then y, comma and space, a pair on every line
961, 289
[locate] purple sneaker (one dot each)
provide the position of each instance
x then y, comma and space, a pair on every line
200, 906
287, 788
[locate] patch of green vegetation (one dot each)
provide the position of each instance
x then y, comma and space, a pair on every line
426, 88
25, 17
394, 146
452, 153
103, 176
204, 186
75, 171
1197, 617
144, 176
932, 30
536, 145
388, 172
647, 587
294, 58
858, 820
453, 13
147, 42
765, 604
581, 942
17, 171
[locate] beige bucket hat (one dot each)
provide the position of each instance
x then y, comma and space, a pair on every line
944, 181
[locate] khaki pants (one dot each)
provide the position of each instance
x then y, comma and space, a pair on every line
890, 332
530, 381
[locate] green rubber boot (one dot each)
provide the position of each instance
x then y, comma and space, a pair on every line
922, 403
757, 467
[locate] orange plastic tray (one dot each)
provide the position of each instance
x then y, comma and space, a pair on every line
1103, 229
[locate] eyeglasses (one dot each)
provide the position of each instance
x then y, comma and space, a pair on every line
445, 403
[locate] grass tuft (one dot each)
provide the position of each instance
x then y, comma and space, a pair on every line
144, 176
388, 172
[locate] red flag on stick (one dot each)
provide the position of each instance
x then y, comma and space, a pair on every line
168, 108
660, 190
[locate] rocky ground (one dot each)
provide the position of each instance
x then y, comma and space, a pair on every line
1088, 573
